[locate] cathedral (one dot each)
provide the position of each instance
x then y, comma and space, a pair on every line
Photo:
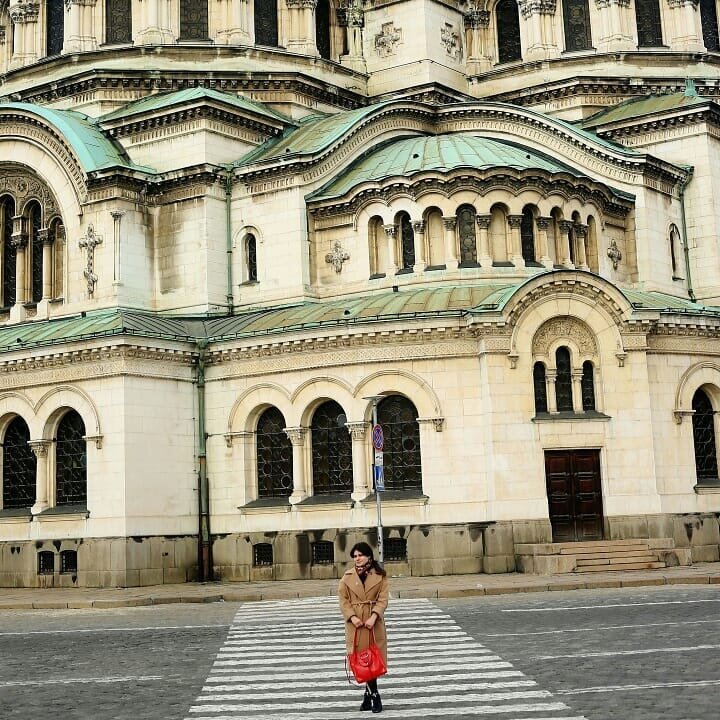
237, 235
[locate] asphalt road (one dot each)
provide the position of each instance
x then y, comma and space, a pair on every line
635, 654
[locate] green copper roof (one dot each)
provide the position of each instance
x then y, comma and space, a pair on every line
94, 150
410, 156
163, 101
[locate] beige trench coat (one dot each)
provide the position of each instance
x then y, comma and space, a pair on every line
363, 600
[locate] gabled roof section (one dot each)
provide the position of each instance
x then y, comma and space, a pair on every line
93, 149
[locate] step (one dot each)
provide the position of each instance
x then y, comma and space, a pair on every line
621, 566
576, 548
631, 559
614, 554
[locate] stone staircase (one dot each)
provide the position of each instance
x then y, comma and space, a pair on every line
599, 556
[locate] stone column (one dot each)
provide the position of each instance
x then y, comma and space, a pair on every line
20, 241
477, 43
451, 245
687, 27
550, 381
302, 27
235, 30
564, 250
155, 24
80, 34
543, 223
484, 257
391, 233
117, 216
581, 232
42, 481
577, 390
47, 267
297, 437
359, 459
515, 248
351, 17
24, 16
615, 27
537, 17
420, 255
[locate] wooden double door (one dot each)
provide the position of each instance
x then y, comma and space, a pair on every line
574, 494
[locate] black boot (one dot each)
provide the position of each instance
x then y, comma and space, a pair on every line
366, 705
375, 702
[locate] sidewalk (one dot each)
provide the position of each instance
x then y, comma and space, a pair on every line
446, 586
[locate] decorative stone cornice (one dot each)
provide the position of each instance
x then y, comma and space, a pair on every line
230, 437
528, 8
357, 430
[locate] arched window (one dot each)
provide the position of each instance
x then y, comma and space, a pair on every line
118, 21
703, 422
572, 237
592, 244
676, 253
322, 28
435, 240
507, 24
540, 388
251, 258
71, 460
563, 382
649, 23
402, 465
587, 386
466, 231
527, 236
35, 243
406, 242
7, 209
576, 23
55, 10
709, 22
57, 235
266, 23
193, 20
377, 247
331, 451
19, 466
274, 456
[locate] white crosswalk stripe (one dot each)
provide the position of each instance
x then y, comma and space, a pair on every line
284, 660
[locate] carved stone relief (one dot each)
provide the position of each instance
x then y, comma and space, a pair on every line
388, 39
567, 328
450, 39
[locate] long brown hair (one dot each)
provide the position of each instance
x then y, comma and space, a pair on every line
365, 549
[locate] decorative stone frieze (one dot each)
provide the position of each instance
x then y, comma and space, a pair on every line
475, 19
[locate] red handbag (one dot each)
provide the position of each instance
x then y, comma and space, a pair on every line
366, 664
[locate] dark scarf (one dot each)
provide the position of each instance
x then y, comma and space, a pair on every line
364, 570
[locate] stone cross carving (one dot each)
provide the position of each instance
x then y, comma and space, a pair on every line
337, 257
614, 254
387, 39
89, 242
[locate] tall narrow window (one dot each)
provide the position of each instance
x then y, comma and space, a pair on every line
266, 22
331, 451
274, 456
507, 23
55, 10
19, 466
676, 253
649, 23
576, 23
71, 460
527, 236
403, 467
193, 19
57, 233
35, 244
118, 21
377, 247
703, 422
7, 209
466, 230
587, 386
709, 22
563, 382
540, 388
251, 258
407, 242
322, 28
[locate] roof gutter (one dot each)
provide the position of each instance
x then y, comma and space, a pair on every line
686, 250
228, 243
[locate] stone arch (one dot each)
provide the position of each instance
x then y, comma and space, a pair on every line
250, 404
54, 403
16, 403
312, 393
399, 382
564, 330
705, 375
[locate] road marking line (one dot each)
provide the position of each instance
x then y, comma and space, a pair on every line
72, 681
114, 629
624, 688
614, 653
600, 627
614, 605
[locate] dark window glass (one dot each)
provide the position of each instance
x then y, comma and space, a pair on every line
466, 231
266, 22
587, 385
395, 549
709, 21
193, 19
322, 28
576, 22
118, 21
19, 466
55, 10
46, 562
262, 554
331, 451
402, 463
571, 246
36, 253
407, 242
71, 460
540, 388
8, 259
251, 257
68, 561
563, 383
649, 26
323, 553
703, 423
508, 31
274, 456
527, 235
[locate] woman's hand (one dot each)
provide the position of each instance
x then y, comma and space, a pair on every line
357, 622
370, 622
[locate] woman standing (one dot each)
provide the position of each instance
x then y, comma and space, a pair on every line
363, 596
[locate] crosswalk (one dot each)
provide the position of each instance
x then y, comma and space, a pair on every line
284, 660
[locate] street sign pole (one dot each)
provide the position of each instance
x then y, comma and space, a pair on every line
378, 472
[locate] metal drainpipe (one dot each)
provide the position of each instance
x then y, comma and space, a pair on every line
205, 560
228, 242
686, 249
